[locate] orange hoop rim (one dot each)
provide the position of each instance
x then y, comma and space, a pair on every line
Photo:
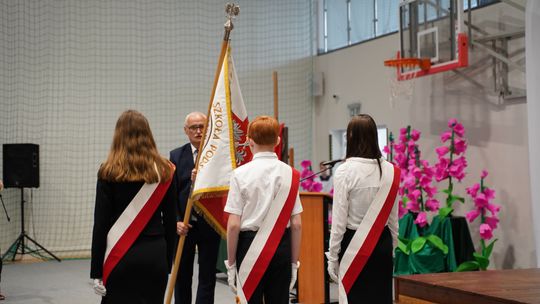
422, 63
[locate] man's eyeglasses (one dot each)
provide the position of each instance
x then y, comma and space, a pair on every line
196, 127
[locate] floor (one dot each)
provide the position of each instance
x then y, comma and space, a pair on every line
68, 282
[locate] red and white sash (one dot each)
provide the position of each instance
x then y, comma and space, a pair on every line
268, 236
367, 235
131, 222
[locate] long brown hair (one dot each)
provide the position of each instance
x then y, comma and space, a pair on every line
133, 153
362, 139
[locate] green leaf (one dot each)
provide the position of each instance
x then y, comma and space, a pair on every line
404, 240
459, 198
418, 244
437, 242
446, 191
483, 262
403, 247
489, 249
405, 200
444, 212
468, 266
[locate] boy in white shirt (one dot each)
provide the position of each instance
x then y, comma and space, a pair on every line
264, 227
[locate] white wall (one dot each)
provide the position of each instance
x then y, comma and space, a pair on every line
533, 109
496, 132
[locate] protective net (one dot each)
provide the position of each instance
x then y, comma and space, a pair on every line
69, 68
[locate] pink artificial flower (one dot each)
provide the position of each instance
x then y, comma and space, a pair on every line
441, 151
306, 163
493, 208
306, 185
432, 204
402, 210
461, 161
399, 148
459, 129
492, 221
429, 171
413, 206
411, 146
409, 181
421, 219
403, 131
486, 232
472, 215
460, 146
473, 190
400, 158
456, 170
489, 193
414, 195
446, 135
415, 135
440, 169
386, 150
424, 181
430, 191
480, 201
484, 174
417, 172
316, 187
452, 122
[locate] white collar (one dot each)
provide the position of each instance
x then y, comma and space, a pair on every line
265, 155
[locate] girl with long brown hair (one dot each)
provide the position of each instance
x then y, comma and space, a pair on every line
363, 202
135, 217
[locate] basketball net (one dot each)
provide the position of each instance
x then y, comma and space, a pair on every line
401, 91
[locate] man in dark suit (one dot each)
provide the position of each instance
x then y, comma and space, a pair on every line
201, 234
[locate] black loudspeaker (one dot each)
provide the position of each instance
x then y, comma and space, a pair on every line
21, 165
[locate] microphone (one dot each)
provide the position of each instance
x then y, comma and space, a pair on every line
332, 163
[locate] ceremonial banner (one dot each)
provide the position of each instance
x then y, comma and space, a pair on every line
223, 147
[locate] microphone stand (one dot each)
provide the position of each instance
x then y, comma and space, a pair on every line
4, 205
328, 167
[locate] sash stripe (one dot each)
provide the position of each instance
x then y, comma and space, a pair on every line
137, 220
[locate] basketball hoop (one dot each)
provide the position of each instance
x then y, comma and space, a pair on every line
410, 63
402, 83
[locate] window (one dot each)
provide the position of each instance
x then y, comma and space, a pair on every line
347, 22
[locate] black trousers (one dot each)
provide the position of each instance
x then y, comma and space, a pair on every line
274, 285
206, 239
374, 284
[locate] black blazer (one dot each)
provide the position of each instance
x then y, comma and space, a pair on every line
182, 158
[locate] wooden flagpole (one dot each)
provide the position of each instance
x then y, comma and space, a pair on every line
276, 96
232, 11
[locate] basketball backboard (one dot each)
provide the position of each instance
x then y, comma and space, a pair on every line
432, 29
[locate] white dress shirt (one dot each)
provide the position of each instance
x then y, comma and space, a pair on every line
253, 189
356, 182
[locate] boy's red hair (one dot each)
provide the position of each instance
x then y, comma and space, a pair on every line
264, 130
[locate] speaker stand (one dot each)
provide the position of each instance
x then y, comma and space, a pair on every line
19, 243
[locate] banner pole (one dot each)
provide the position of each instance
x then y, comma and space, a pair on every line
232, 11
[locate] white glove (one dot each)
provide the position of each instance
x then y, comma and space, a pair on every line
231, 275
294, 274
99, 288
333, 270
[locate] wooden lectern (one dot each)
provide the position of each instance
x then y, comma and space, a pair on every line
312, 278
